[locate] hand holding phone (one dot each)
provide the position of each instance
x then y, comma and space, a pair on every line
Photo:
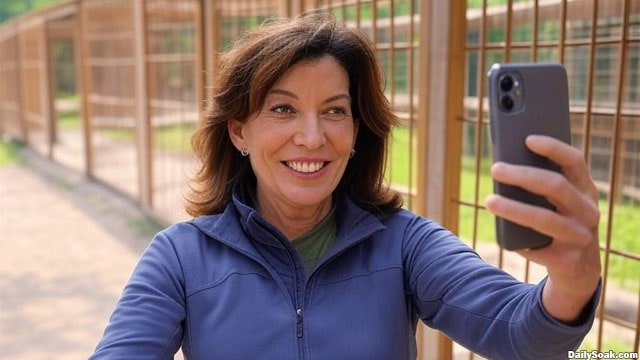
525, 99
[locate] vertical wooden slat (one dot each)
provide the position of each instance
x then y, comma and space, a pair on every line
590, 81
563, 32
24, 128
201, 52
212, 40
455, 110
427, 336
392, 55
410, 84
143, 133
479, 121
84, 82
420, 206
411, 112
614, 185
49, 90
508, 31
441, 90
636, 343
507, 58
534, 31
374, 22
23, 120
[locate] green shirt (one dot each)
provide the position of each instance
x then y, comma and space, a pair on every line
315, 243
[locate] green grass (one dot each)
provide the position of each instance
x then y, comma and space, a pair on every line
485, 227
145, 226
474, 4
9, 152
176, 138
120, 134
68, 120
68, 96
608, 343
398, 164
169, 138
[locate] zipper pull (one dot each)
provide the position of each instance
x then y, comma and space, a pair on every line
299, 322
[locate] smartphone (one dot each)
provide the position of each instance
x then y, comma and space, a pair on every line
524, 99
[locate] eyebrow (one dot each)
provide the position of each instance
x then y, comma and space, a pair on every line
290, 94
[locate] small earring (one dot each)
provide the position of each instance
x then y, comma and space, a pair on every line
352, 153
244, 152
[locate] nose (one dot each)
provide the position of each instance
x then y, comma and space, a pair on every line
310, 132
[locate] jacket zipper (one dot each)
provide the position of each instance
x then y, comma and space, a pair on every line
297, 303
299, 331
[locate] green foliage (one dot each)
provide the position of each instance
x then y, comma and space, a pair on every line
398, 166
609, 343
64, 66
167, 138
9, 152
383, 10
12, 8
120, 134
476, 4
68, 120
176, 138
145, 226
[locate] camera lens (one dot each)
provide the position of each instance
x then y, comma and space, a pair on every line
506, 83
507, 102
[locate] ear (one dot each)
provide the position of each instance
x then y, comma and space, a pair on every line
236, 133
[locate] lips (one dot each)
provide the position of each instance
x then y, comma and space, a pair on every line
305, 167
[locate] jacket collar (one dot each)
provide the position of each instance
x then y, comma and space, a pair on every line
241, 226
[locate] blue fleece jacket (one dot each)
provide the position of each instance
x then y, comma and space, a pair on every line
230, 286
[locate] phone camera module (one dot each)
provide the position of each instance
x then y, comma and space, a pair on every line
510, 97
506, 83
507, 102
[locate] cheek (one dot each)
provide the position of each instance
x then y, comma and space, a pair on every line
344, 137
264, 138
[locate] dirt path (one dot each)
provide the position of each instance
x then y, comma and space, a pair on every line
68, 247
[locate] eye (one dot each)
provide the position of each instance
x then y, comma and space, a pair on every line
337, 110
337, 113
281, 109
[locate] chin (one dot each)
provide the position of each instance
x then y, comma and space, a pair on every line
306, 198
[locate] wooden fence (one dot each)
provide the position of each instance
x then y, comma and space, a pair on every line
142, 68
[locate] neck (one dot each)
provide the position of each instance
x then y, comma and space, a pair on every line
294, 221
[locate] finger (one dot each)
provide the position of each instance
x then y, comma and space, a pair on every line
551, 185
548, 222
568, 157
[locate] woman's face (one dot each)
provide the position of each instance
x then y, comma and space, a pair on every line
300, 141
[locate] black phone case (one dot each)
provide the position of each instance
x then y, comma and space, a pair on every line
543, 108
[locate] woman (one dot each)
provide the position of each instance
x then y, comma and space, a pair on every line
298, 249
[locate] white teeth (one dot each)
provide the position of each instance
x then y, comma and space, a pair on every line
305, 167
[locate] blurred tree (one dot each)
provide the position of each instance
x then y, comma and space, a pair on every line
12, 8
64, 67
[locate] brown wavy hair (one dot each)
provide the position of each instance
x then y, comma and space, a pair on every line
246, 74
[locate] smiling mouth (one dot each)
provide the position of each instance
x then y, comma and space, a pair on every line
305, 167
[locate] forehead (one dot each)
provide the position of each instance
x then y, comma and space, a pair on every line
325, 71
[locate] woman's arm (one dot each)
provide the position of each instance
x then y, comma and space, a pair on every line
147, 321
